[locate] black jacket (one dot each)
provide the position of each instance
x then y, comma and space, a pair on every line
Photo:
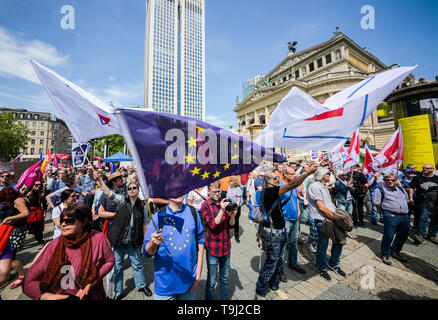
121, 221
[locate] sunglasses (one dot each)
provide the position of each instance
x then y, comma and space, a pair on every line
133, 188
392, 180
4, 176
67, 221
37, 184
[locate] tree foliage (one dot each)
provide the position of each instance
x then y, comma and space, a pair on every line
13, 137
115, 142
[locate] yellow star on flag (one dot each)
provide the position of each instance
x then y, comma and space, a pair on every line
200, 129
235, 157
192, 142
190, 158
235, 146
205, 175
195, 171
227, 166
216, 174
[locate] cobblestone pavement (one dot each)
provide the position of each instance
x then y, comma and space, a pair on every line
367, 277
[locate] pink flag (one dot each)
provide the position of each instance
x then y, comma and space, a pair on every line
31, 175
353, 152
368, 162
391, 155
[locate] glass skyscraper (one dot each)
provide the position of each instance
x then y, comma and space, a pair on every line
175, 57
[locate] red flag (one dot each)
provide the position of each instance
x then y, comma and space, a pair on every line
368, 162
353, 152
391, 154
5, 232
55, 161
68, 165
49, 156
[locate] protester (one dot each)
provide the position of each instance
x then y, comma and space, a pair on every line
426, 187
243, 182
126, 234
290, 207
258, 181
343, 195
274, 234
358, 193
321, 208
178, 250
87, 252
197, 196
225, 184
392, 200
219, 221
98, 196
373, 183
68, 198
250, 193
88, 185
56, 185
18, 220
70, 182
234, 193
36, 218
7, 195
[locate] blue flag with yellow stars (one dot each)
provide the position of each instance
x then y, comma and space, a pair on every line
175, 154
165, 219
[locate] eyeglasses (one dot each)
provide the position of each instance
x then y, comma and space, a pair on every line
215, 192
391, 180
67, 221
4, 176
133, 188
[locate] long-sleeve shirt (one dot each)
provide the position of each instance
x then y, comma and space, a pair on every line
394, 199
217, 238
103, 258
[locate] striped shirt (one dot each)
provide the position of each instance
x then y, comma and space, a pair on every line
217, 239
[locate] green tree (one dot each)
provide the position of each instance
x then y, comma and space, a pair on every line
115, 142
13, 137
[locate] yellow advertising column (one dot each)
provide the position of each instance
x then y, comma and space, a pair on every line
417, 141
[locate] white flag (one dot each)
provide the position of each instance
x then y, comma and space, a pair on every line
391, 155
86, 116
300, 122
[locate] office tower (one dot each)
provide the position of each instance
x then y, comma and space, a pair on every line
175, 57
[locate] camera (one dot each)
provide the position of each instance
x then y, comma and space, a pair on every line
231, 206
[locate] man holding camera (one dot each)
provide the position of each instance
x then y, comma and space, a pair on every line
219, 220
274, 233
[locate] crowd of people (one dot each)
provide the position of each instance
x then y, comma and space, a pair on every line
99, 217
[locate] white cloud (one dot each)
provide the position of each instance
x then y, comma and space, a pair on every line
218, 121
16, 53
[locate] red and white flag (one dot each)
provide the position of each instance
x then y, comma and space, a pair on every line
300, 122
391, 155
19, 158
368, 162
353, 152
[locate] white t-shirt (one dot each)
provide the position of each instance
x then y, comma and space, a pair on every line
56, 213
197, 200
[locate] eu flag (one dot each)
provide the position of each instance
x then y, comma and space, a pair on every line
176, 154
165, 219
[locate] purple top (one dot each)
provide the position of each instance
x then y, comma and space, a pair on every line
7, 253
103, 257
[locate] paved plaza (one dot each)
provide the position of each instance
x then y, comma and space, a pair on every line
367, 277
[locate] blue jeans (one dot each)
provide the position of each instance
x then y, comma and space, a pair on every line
136, 264
422, 222
224, 272
374, 215
321, 250
347, 206
189, 295
394, 225
269, 276
292, 232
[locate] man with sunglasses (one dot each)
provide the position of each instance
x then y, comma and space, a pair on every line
392, 199
274, 232
426, 187
88, 185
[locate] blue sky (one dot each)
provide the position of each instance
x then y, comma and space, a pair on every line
104, 54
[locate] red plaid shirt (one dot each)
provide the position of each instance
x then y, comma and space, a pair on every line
217, 239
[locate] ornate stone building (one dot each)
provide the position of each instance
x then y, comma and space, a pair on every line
321, 71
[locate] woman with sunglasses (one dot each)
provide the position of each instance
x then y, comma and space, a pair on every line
19, 221
126, 234
72, 266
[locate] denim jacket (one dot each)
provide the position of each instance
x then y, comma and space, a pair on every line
341, 192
